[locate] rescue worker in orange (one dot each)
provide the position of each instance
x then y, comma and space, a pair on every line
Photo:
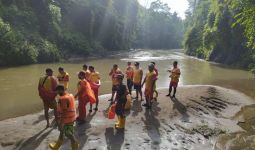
84, 95
175, 75
46, 87
114, 71
129, 76
149, 82
95, 83
120, 100
63, 77
66, 118
137, 80
155, 87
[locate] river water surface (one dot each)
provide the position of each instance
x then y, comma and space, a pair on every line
18, 88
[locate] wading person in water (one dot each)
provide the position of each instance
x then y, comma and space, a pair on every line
129, 76
137, 80
114, 71
63, 77
94, 80
66, 117
84, 95
149, 81
175, 75
46, 88
121, 99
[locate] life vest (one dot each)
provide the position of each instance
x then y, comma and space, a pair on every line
150, 77
66, 108
114, 74
47, 94
63, 79
129, 72
86, 93
137, 77
94, 80
175, 75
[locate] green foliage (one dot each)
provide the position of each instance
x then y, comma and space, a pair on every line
213, 32
77, 42
159, 28
47, 51
245, 16
46, 31
14, 49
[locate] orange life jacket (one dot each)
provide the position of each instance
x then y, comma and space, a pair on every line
86, 93
66, 108
129, 72
114, 73
47, 95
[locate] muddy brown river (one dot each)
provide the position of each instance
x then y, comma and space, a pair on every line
18, 88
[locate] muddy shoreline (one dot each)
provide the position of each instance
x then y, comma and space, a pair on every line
201, 117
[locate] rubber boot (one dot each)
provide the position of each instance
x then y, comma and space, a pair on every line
117, 124
122, 123
56, 146
75, 146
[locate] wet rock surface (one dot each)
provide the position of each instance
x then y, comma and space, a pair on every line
201, 117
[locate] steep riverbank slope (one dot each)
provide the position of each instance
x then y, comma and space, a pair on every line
194, 120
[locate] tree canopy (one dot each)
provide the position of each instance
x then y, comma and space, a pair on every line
221, 31
50, 30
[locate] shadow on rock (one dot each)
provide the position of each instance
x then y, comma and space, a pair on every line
81, 130
181, 109
34, 141
152, 125
136, 107
114, 139
42, 117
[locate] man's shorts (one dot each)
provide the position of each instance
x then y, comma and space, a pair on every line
68, 129
137, 86
129, 83
52, 104
173, 84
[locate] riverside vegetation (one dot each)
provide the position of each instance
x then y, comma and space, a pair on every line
51, 30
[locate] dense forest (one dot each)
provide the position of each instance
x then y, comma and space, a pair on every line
50, 30
222, 31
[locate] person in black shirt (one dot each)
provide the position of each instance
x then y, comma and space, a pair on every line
120, 101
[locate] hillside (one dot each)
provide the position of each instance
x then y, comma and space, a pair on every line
222, 31
51, 30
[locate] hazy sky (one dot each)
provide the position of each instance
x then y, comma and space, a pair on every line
179, 6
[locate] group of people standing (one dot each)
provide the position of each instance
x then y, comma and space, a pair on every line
51, 88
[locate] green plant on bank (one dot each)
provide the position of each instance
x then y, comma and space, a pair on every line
222, 31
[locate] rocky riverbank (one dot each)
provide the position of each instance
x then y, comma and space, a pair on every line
201, 117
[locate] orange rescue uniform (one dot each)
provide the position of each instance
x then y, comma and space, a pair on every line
63, 79
46, 88
66, 109
94, 79
85, 95
150, 78
175, 75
